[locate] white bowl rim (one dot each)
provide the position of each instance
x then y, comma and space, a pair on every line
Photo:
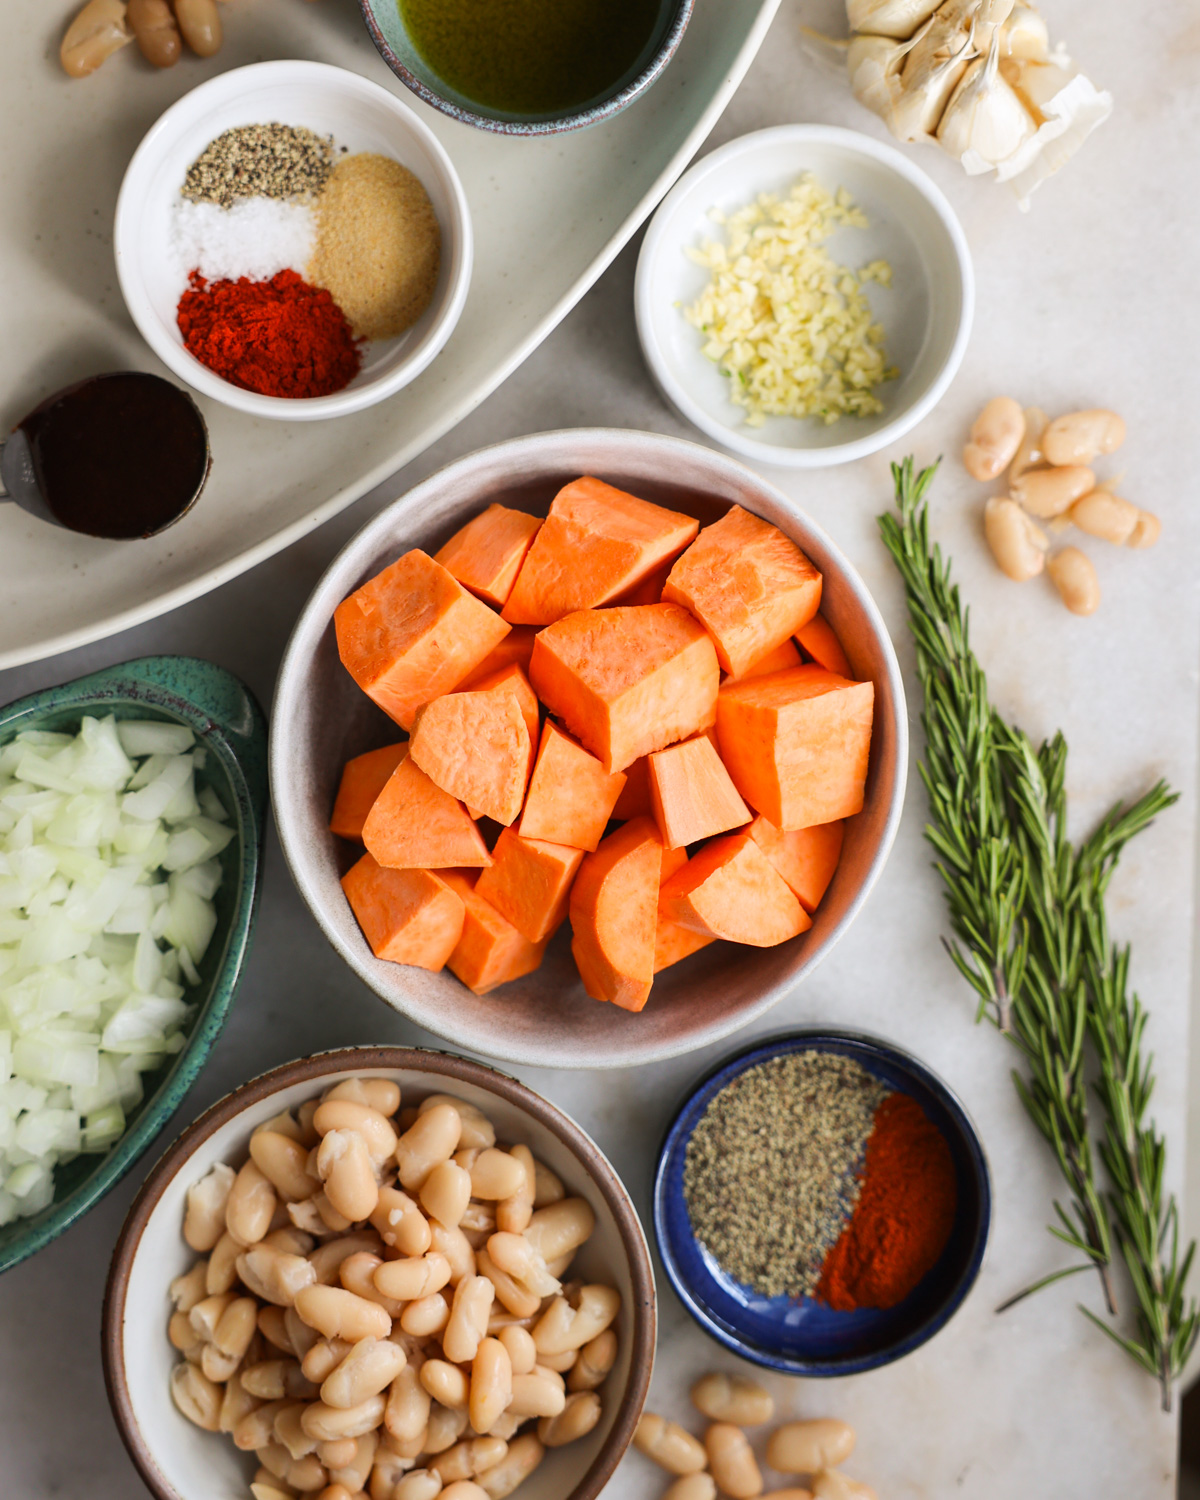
307, 630
281, 408
449, 1068
654, 245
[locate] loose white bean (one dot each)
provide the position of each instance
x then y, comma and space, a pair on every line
207, 1313
302, 1337
432, 1138
465, 1460
204, 1218
491, 1384
468, 1319
326, 1423
357, 1275
407, 1411
95, 34
541, 1393
1017, 545
283, 1161
414, 1277
808, 1447
518, 1299
1079, 436
523, 1456
1105, 515
274, 1275
563, 1327
1046, 493
1029, 454
197, 1397
451, 1242
1074, 577
446, 1425
514, 1213
995, 437
693, 1487
425, 1316
595, 1361
1146, 532
576, 1420
250, 1205
369, 1368
560, 1228
496, 1174
236, 1403
380, 1093
464, 1489
731, 1461
345, 1114
421, 1484
669, 1445
732, 1398
446, 1383
354, 1473
290, 1432
236, 1327
476, 1130
275, 1379
345, 1167
547, 1187
324, 1357
186, 1290
222, 1272
340, 1314
517, 1257
445, 1194
832, 1485
152, 22
401, 1224
521, 1350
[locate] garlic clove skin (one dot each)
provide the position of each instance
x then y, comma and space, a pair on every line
984, 123
1026, 35
873, 64
898, 19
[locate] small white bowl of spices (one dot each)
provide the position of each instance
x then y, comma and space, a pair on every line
293, 241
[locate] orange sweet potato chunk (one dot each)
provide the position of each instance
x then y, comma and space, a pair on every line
730, 889
797, 743
627, 681
486, 554
414, 825
672, 860
614, 915
406, 916
748, 584
571, 796
529, 883
411, 633
823, 646
597, 543
491, 951
476, 747
779, 660
512, 679
516, 648
806, 857
363, 778
634, 801
673, 943
692, 794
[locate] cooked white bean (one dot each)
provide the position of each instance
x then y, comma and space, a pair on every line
275, 1458
277, 1379
521, 1350
284, 1123
523, 1456
336, 1454
1029, 454
336, 1313
407, 1411
468, 1319
595, 1361
324, 1357
250, 1205
153, 24
1102, 514
1079, 436
464, 1489
273, 1490
456, 1247
272, 1324
445, 1193
421, 1484
731, 1461
446, 1383
301, 1335
415, 1276
401, 1224
1018, 546
693, 1487
995, 437
432, 1138
446, 1425
236, 1327
290, 1432
97, 31
516, 1257
1074, 576
345, 1114
200, 25
207, 1313
186, 1290
304, 1215
669, 1445
491, 1384
832, 1485
328, 1422
808, 1447
476, 1131
541, 1393
197, 1397
204, 1218
184, 1337
477, 1223
345, 1167
576, 1420
514, 1213
425, 1316
518, 1299
274, 1275
506, 1426
257, 1428
1046, 493
290, 1240
221, 1267
357, 1274
236, 1403
330, 1217
307, 1475
283, 1161
380, 1093
732, 1398
354, 1473
465, 1460
547, 1186
560, 1228
563, 1327
1146, 532
327, 1259
369, 1368
496, 1174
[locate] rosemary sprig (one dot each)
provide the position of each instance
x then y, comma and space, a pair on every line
1027, 909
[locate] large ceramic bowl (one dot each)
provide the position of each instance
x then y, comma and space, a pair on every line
388, 31
925, 313
179, 1461
321, 718
359, 115
229, 723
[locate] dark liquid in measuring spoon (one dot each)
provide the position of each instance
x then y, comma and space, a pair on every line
118, 455
530, 56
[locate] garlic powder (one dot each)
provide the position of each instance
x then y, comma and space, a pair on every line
791, 328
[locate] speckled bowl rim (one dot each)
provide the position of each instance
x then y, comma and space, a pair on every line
576, 119
246, 769
762, 1050
445, 1065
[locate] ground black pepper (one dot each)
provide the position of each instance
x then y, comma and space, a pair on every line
271, 161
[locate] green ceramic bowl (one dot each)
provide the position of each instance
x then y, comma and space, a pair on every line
226, 718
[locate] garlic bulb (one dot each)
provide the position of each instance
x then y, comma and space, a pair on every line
874, 63
894, 18
1026, 34
985, 122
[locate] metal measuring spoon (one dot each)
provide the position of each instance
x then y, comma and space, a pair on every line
121, 455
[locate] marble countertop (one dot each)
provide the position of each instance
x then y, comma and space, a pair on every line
1086, 300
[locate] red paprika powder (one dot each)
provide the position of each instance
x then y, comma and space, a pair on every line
280, 337
903, 1217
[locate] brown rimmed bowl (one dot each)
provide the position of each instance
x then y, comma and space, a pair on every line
180, 1462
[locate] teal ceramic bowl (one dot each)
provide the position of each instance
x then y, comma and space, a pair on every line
395, 45
227, 720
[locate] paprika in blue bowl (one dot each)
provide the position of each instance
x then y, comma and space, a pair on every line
822, 1203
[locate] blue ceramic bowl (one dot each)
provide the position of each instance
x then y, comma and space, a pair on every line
800, 1336
230, 724
390, 35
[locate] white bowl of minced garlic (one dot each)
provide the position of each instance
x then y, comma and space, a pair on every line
370, 213
804, 295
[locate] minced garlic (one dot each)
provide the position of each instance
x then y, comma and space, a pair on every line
791, 328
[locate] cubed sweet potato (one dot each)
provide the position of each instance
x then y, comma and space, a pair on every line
749, 584
491, 951
823, 646
406, 916
672, 860
411, 633
627, 681
596, 544
779, 660
512, 679
691, 793
730, 889
414, 825
363, 778
673, 943
797, 744
634, 801
806, 857
515, 649
571, 795
529, 883
476, 747
614, 912
486, 554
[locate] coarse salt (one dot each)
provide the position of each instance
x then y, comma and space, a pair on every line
256, 237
